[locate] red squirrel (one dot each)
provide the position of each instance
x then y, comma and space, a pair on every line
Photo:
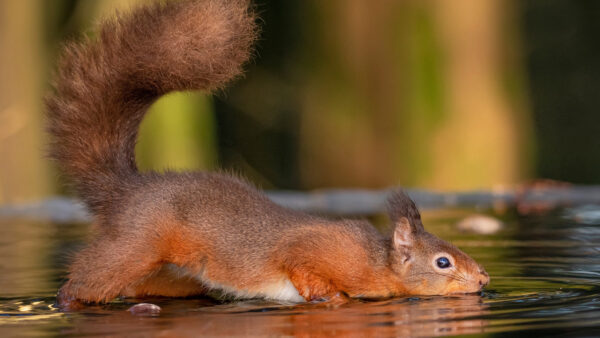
184, 234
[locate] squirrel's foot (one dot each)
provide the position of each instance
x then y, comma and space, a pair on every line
65, 301
333, 300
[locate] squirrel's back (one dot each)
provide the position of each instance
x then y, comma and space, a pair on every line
103, 87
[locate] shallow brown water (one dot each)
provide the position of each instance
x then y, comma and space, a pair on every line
545, 280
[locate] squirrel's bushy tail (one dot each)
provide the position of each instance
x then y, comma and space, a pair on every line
103, 87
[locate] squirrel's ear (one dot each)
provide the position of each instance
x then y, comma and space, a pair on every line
403, 236
399, 206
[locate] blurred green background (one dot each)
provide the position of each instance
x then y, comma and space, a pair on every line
421, 93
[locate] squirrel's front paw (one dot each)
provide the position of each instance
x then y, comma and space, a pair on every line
336, 299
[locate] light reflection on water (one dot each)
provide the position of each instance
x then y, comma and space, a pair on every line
545, 279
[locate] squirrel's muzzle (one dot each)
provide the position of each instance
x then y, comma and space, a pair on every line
484, 278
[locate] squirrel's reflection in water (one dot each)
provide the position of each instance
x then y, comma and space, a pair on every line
431, 316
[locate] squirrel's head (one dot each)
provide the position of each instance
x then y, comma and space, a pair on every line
426, 264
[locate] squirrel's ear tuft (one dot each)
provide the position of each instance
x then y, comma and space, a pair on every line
399, 206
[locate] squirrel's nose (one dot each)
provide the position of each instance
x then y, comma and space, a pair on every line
484, 278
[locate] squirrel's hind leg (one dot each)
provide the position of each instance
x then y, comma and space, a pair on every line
104, 270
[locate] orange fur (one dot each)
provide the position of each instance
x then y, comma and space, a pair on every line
182, 234
166, 283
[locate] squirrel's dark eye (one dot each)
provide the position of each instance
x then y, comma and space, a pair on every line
443, 263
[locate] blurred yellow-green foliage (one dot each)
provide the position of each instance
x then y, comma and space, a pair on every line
437, 94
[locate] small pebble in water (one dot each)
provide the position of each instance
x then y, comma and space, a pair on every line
145, 309
481, 224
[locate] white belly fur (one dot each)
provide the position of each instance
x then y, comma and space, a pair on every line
282, 290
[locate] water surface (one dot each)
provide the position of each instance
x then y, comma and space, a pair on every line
545, 280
